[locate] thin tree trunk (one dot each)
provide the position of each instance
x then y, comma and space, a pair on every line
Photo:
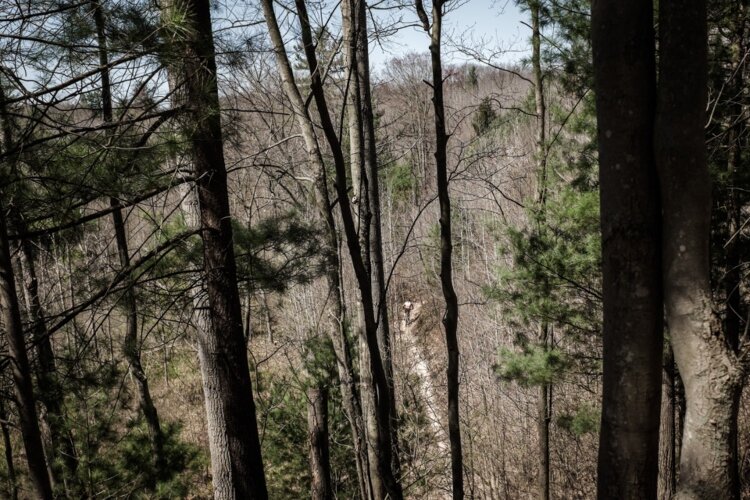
61, 441
543, 424
708, 365
20, 367
361, 270
450, 317
668, 434
131, 348
374, 212
624, 76
21, 370
317, 429
342, 348
544, 416
236, 463
8, 445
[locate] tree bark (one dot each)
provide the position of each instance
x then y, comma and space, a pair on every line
669, 429
708, 365
317, 429
624, 77
236, 463
450, 317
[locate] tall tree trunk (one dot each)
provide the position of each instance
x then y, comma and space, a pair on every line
236, 463
450, 317
20, 367
708, 365
375, 234
50, 394
359, 265
544, 410
317, 429
131, 347
624, 76
342, 348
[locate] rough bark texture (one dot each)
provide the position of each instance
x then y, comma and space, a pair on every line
450, 317
317, 429
338, 332
707, 363
669, 435
624, 76
236, 463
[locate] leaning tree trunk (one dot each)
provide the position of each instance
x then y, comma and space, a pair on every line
236, 463
450, 317
131, 348
624, 77
709, 367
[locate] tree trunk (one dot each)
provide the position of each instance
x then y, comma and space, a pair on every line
668, 435
21, 370
338, 333
544, 416
708, 365
50, 394
624, 76
450, 317
19, 361
361, 270
236, 463
375, 234
131, 348
8, 445
317, 429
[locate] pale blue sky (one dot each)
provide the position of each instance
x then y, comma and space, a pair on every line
484, 24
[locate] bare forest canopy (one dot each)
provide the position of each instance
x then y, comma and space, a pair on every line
242, 257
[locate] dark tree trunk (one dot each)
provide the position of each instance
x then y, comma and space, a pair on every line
317, 429
544, 417
21, 370
9, 462
338, 333
624, 76
669, 429
131, 348
707, 363
450, 317
361, 271
236, 462
375, 233
19, 361
50, 393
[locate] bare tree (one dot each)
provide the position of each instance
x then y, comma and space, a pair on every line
450, 317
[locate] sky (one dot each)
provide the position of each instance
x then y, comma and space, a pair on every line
491, 25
